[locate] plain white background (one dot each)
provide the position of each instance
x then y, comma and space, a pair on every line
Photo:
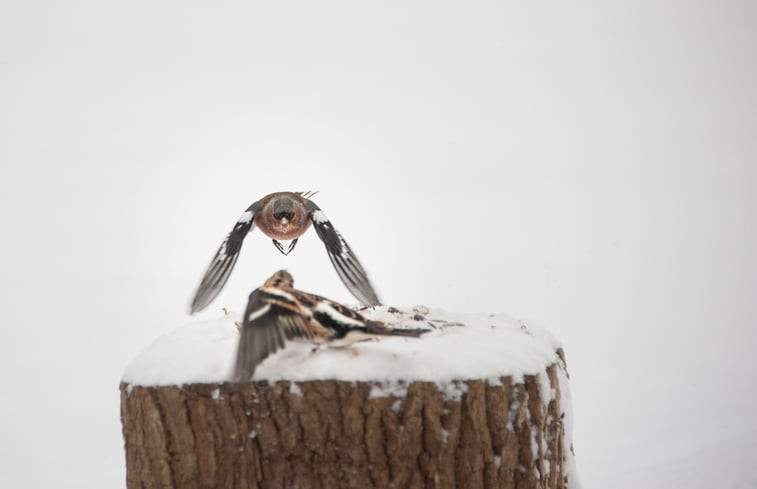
586, 165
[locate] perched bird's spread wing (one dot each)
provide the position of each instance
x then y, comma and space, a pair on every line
344, 260
277, 312
224, 260
272, 316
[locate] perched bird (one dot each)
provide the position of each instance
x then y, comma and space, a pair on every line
277, 312
283, 216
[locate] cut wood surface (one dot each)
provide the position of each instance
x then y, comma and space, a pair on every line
338, 434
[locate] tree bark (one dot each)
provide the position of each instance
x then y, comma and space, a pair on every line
334, 434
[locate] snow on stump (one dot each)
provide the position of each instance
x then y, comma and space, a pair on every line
483, 404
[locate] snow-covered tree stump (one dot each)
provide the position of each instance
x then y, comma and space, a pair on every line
481, 405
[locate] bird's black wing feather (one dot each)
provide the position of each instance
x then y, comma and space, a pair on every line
342, 257
268, 321
224, 260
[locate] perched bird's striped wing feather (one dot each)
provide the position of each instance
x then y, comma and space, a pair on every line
341, 320
269, 320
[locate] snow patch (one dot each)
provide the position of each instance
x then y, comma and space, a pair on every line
397, 405
388, 389
569, 459
294, 389
512, 414
463, 346
545, 389
453, 391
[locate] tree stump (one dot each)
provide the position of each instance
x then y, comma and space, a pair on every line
508, 432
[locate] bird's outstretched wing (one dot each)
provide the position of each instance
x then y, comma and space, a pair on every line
344, 260
224, 260
272, 316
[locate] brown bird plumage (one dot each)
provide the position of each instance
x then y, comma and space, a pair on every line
277, 312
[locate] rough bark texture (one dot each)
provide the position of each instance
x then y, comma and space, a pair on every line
332, 434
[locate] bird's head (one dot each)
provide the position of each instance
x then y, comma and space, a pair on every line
282, 279
283, 211
284, 215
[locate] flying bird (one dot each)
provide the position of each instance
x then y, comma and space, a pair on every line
277, 311
284, 216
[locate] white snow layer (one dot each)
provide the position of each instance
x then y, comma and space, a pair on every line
482, 346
